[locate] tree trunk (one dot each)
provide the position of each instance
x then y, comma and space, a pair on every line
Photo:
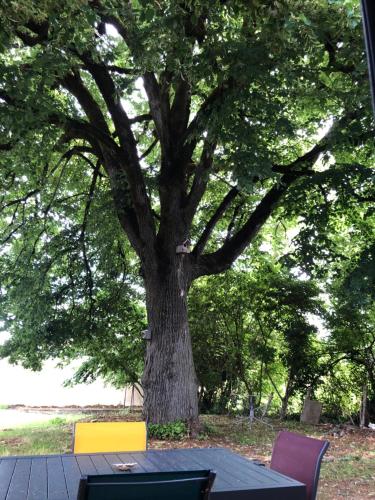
285, 400
268, 405
169, 379
362, 413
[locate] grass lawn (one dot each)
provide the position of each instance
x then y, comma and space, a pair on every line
348, 470
39, 438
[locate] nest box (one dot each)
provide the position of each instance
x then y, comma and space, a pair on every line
184, 247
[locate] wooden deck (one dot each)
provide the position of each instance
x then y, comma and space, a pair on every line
56, 477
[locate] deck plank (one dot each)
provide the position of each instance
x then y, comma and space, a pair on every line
101, 464
6, 472
142, 459
86, 465
72, 475
224, 479
57, 488
57, 477
38, 484
242, 473
19, 484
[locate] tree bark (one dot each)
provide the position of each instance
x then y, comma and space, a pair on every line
169, 379
362, 413
285, 400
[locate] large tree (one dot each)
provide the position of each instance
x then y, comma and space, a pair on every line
185, 121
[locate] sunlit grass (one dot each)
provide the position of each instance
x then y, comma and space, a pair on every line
39, 438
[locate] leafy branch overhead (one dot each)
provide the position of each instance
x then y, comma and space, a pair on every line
202, 99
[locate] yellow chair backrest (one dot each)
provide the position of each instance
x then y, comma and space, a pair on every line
96, 437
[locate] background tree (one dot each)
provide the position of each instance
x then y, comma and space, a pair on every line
255, 329
160, 122
336, 246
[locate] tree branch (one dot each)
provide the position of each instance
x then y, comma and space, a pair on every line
79, 151
120, 70
326, 142
146, 117
149, 149
223, 258
158, 101
333, 64
39, 29
130, 164
232, 222
82, 238
199, 122
227, 200
74, 84
159, 108
201, 178
20, 200
180, 110
96, 132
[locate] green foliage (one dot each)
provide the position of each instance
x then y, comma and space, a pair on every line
253, 327
209, 428
70, 274
57, 421
174, 431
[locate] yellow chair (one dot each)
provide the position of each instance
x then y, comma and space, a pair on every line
96, 437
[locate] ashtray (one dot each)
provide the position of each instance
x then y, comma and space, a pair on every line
123, 467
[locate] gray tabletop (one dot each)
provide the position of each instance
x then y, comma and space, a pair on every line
56, 477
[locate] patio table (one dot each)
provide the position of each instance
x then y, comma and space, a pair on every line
56, 477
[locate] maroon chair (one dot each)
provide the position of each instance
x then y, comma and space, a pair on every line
299, 457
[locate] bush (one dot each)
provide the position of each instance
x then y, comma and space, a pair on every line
174, 430
57, 421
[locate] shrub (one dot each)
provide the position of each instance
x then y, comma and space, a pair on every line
174, 430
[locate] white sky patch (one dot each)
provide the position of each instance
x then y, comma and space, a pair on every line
288, 235
299, 274
325, 128
265, 247
140, 86
315, 320
127, 106
46, 388
4, 336
321, 165
138, 96
112, 31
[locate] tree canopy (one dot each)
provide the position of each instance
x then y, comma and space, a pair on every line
129, 129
